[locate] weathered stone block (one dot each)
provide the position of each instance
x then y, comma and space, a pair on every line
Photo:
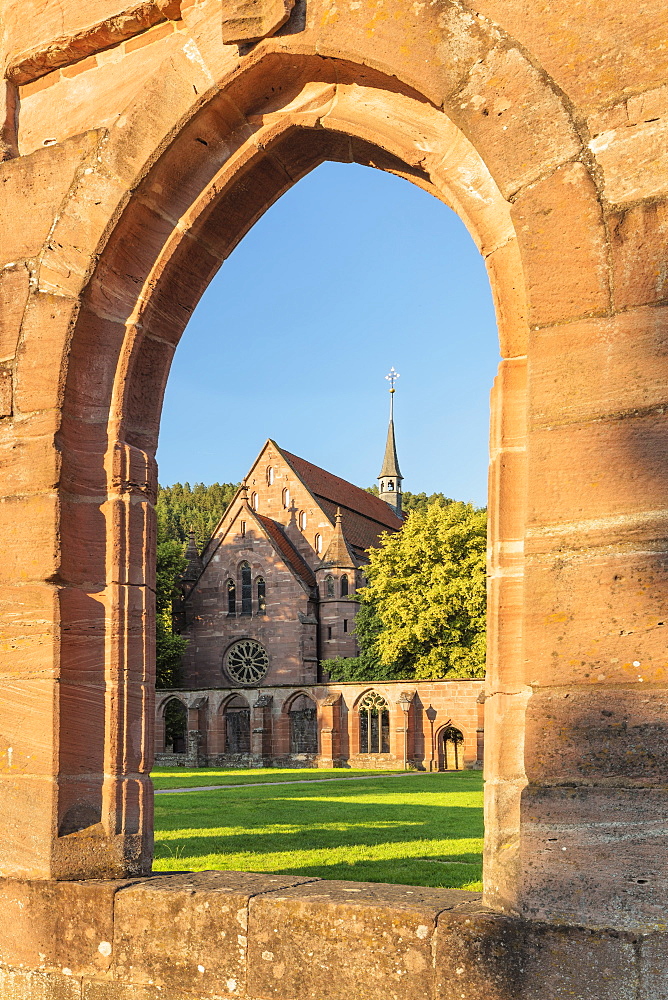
486, 956
594, 855
306, 941
563, 246
590, 736
638, 236
633, 161
32, 188
250, 20
57, 925
43, 34
16, 985
189, 931
574, 590
654, 967
520, 127
595, 368
14, 283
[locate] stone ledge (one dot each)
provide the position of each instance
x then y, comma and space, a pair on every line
244, 936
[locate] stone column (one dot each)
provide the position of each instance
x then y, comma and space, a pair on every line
593, 815
329, 726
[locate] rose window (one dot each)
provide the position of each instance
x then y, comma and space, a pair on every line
247, 661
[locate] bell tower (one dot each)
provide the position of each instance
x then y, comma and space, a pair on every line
390, 477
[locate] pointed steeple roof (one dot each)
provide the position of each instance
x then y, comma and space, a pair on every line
194, 562
390, 461
338, 553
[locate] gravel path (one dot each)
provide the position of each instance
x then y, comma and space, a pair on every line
298, 781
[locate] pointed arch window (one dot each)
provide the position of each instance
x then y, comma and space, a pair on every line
261, 596
318, 544
374, 716
246, 589
344, 585
329, 586
231, 597
303, 725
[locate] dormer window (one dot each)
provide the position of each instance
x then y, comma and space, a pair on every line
270, 476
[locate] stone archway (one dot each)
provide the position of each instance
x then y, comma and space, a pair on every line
137, 217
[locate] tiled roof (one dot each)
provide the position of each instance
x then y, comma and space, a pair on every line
351, 499
360, 532
287, 549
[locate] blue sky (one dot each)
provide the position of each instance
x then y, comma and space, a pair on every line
349, 273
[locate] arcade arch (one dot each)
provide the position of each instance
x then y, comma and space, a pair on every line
374, 121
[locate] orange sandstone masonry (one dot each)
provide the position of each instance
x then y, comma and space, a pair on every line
139, 142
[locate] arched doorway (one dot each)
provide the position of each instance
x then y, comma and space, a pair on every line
303, 726
450, 749
176, 726
155, 283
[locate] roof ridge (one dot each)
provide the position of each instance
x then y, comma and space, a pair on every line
376, 509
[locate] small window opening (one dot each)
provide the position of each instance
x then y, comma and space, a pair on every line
318, 544
254, 501
345, 624
261, 596
329, 631
231, 598
270, 476
243, 529
329, 586
302, 519
286, 498
344, 585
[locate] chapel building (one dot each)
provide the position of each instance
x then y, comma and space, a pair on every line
271, 595
266, 604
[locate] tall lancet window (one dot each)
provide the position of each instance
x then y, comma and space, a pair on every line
231, 598
329, 586
261, 596
246, 589
344, 585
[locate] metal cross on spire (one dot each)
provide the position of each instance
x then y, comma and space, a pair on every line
392, 378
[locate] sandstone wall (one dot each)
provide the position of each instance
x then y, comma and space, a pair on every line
141, 142
431, 706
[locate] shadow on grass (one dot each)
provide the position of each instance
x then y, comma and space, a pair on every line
325, 831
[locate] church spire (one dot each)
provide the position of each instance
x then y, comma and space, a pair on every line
390, 475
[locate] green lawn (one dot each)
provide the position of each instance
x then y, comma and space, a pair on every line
417, 830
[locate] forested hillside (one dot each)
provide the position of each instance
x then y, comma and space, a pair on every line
181, 508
